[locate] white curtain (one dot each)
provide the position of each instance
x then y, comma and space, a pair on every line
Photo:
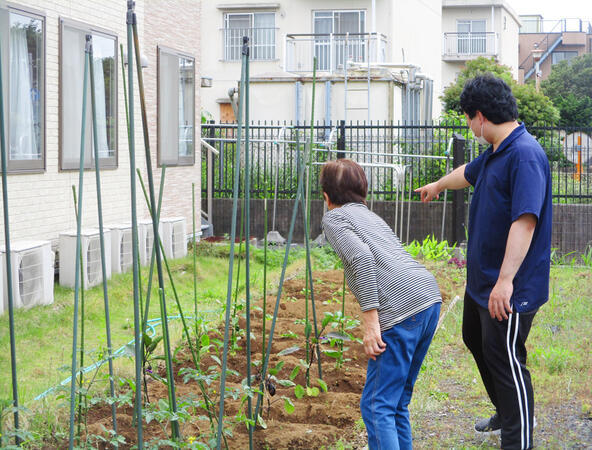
101, 108
186, 107
73, 55
168, 108
23, 140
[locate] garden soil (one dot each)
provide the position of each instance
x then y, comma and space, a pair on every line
316, 421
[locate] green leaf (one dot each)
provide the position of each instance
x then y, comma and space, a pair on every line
307, 329
336, 335
215, 358
322, 384
294, 372
261, 422
205, 340
299, 391
312, 391
288, 405
286, 383
289, 350
332, 353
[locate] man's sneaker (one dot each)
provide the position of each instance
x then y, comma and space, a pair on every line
491, 425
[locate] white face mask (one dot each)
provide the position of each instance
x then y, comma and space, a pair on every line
480, 139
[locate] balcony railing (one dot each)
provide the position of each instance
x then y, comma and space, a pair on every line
555, 26
262, 42
462, 46
332, 50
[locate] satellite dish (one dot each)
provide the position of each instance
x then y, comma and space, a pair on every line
578, 142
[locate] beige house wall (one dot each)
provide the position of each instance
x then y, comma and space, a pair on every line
41, 204
398, 20
500, 19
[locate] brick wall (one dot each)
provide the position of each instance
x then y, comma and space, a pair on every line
174, 24
41, 204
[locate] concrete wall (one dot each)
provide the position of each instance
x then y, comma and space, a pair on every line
572, 224
397, 19
41, 204
425, 218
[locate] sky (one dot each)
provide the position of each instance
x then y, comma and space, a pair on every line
554, 9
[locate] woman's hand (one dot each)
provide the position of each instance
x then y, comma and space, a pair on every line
373, 344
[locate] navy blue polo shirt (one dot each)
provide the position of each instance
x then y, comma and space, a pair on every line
512, 181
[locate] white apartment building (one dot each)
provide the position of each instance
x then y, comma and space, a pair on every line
473, 28
389, 47
43, 60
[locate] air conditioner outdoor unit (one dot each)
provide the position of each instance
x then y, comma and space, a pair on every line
174, 237
91, 257
146, 240
32, 274
121, 247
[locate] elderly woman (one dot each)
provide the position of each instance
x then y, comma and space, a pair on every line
399, 299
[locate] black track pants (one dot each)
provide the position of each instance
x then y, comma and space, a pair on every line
500, 354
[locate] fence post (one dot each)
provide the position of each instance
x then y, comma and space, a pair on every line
458, 195
341, 140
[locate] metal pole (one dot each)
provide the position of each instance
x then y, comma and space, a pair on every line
248, 239
231, 253
78, 245
165, 327
101, 231
131, 19
8, 261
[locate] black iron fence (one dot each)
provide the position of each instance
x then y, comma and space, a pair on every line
397, 158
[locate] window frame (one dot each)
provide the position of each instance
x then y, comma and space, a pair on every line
182, 161
109, 163
333, 11
252, 14
573, 53
27, 166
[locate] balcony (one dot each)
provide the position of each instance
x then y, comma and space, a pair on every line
466, 46
262, 42
332, 51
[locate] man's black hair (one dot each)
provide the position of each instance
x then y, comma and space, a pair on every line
490, 95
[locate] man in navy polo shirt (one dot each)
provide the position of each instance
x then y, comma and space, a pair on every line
508, 253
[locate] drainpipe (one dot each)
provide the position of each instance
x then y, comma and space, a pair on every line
298, 112
328, 105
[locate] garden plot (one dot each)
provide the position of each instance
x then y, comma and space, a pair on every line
294, 416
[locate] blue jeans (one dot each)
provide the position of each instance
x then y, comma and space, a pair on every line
390, 380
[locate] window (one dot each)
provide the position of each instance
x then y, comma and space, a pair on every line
340, 23
259, 27
72, 60
471, 36
176, 108
563, 56
22, 36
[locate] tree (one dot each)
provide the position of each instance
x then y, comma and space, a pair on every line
570, 88
533, 107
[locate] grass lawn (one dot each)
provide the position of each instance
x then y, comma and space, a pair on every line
449, 394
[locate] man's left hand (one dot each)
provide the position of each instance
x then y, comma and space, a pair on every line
499, 300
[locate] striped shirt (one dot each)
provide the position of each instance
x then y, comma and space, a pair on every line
379, 271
